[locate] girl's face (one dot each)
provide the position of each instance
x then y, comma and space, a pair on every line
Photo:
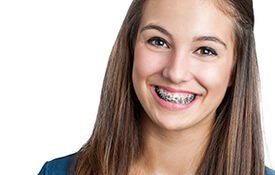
182, 62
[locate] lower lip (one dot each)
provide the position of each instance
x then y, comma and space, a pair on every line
170, 105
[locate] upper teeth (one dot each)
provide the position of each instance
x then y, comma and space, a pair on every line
176, 98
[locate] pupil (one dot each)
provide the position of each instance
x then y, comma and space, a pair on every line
159, 42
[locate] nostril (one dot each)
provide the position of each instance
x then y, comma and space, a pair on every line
176, 74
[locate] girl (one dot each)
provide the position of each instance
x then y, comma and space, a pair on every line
180, 95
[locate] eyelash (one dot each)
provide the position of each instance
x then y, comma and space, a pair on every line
210, 51
153, 41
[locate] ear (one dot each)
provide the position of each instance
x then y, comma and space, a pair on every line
232, 77
232, 74
230, 82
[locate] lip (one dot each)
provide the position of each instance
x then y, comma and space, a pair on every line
174, 90
170, 105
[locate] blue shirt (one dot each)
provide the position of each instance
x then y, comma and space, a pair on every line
59, 167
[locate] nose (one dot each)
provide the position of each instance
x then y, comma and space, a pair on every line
177, 68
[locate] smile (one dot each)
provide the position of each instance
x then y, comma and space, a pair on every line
175, 97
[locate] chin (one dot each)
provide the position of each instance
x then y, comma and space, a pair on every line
173, 122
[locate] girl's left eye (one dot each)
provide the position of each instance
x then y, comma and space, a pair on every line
206, 51
158, 42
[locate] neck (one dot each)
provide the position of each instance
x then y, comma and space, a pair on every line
172, 152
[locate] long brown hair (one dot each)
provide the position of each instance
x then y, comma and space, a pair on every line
235, 146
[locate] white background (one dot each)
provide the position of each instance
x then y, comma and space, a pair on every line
53, 56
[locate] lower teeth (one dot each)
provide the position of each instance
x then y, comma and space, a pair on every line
168, 97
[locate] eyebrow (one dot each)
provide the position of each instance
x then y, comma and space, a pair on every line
160, 29
210, 38
201, 38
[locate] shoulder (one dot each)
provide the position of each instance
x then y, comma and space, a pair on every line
269, 171
57, 166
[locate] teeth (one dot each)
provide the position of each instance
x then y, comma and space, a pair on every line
164, 94
169, 97
192, 97
175, 98
182, 100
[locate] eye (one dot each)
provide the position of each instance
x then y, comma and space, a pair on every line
206, 51
158, 42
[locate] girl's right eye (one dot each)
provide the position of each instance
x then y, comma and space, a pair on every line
158, 42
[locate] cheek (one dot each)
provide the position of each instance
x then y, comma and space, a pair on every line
214, 77
146, 62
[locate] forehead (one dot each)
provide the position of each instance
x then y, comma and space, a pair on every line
192, 17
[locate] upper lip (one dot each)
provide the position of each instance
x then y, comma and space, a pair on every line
176, 90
